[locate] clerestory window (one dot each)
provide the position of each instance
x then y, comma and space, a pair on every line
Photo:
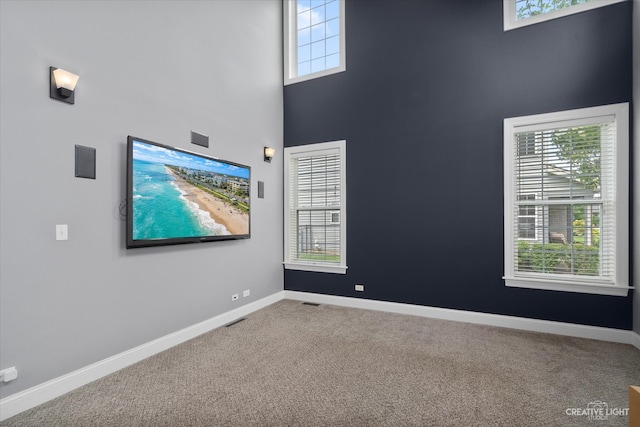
518, 13
314, 39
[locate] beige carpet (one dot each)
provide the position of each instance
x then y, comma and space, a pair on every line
292, 364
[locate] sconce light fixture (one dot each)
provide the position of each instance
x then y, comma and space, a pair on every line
63, 85
268, 154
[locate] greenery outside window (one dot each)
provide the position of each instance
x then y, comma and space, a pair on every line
519, 13
314, 39
315, 202
566, 200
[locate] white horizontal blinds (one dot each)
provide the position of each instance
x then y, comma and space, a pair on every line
315, 227
528, 8
565, 199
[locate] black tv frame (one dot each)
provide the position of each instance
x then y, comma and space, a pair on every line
176, 240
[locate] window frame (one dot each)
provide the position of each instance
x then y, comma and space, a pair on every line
319, 149
620, 285
290, 45
511, 23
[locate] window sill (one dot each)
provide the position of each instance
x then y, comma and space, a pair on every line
311, 76
573, 286
321, 268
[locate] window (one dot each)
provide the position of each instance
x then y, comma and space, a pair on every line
314, 39
526, 218
518, 13
567, 200
315, 201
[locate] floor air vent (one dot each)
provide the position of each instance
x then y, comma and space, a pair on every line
235, 322
311, 303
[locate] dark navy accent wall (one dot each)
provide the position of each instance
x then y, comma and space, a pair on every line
421, 105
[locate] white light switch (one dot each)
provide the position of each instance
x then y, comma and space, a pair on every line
62, 232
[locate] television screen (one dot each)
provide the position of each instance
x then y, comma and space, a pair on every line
176, 196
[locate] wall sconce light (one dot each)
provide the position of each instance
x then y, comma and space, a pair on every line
63, 85
268, 154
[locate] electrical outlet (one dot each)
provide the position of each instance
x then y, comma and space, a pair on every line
360, 288
9, 374
246, 293
234, 297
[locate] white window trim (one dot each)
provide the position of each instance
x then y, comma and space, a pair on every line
311, 150
510, 21
620, 287
291, 51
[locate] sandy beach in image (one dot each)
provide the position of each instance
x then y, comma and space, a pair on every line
235, 220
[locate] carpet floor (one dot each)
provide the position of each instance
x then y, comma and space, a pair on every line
293, 364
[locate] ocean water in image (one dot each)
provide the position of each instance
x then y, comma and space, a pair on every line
159, 209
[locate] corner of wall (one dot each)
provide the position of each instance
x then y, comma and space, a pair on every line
635, 143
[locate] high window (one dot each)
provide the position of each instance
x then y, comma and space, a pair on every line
315, 202
313, 39
566, 200
518, 13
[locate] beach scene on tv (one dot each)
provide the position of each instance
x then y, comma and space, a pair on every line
177, 194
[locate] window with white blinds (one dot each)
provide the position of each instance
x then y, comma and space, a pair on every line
315, 200
518, 13
566, 200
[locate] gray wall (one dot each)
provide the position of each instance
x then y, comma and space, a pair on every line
156, 70
636, 170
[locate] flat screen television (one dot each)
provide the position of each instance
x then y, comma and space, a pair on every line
175, 196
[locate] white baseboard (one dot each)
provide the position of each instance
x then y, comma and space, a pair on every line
44, 392
523, 323
27, 399
635, 340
